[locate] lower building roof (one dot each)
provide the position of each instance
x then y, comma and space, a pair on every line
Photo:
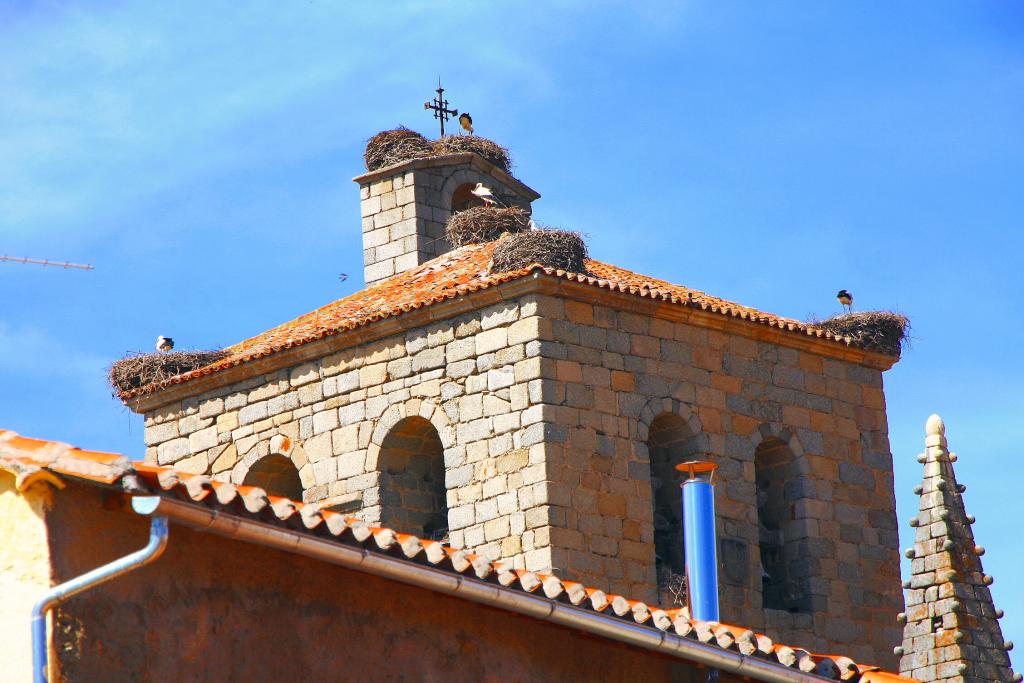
34, 461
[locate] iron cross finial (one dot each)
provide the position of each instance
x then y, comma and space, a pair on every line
440, 106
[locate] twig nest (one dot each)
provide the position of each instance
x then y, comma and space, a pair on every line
488, 149
395, 146
552, 248
401, 144
142, 369
485, 224
882, 331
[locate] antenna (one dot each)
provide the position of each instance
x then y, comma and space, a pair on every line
45, 262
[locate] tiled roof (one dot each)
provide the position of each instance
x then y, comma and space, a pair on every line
19, 455
28, 458
454, 274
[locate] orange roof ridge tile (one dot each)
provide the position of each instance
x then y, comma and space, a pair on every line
63, 458
457, 273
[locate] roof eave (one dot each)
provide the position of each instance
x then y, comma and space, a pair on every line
476, 160
536, 281
332, 343
656, 306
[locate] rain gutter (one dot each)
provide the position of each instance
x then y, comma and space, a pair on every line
360, 559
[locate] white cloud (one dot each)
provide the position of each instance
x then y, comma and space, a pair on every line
107, 107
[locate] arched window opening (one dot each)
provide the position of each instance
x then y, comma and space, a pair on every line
669, 443
775, 474
463, 198
276, 475
412, 490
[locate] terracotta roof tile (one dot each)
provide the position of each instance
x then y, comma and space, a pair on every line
17, 453
455, 274
28, 456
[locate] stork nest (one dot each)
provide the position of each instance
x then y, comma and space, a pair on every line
552, 248
460, 144
142, 369
485, 224
401, 144
395, 146
883, 331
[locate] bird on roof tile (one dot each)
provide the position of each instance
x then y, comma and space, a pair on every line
846, 299
164, 343
466, 121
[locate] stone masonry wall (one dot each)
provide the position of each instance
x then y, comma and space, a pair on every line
543, 406
404, 214
612, 372
475, 378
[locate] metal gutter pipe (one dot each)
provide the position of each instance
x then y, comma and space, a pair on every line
112, 570
249, 531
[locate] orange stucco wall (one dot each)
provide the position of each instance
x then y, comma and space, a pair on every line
215, 609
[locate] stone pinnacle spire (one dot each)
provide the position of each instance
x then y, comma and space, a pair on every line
952, 632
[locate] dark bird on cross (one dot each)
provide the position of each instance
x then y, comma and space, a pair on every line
466, 121
846, 299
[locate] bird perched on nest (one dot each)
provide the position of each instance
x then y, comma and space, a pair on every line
466, 121
846, 299
164, 343
483, 193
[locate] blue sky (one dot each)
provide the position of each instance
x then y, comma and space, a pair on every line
200, 156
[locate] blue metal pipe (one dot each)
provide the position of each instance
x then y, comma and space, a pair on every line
700, 548
58, 594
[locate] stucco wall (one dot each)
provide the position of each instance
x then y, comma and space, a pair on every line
24, 572
218, 610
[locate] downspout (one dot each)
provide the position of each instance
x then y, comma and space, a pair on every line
287, 540
112, 570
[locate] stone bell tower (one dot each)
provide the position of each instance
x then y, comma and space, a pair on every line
405, 206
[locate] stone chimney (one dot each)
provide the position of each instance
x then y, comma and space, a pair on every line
952, 632
405, 207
